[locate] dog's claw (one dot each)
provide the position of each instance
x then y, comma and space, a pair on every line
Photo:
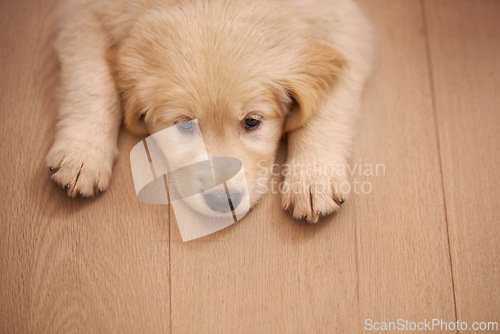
339, 201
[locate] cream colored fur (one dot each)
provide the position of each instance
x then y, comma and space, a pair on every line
298, 65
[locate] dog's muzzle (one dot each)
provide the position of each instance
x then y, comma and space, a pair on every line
207, 194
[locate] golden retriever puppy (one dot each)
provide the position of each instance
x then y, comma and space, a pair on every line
249, 72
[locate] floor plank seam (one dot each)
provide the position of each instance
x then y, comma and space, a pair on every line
434, 110
169, 255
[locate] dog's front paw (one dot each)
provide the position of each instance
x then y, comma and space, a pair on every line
311, 193
81, 168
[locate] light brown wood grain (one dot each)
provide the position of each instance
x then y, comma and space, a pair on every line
464, 41
404, 263
423, 243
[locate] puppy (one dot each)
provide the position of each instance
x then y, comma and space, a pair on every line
249, 72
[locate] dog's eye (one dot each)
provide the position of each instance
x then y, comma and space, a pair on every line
252, 123
185, 126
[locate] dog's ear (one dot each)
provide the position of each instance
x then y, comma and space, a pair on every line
312, 81
134, 115
133, 110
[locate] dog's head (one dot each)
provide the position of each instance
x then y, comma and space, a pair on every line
248, 73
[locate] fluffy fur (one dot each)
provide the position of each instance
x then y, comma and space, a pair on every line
299, 66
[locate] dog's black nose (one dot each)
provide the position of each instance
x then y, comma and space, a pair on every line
220, 203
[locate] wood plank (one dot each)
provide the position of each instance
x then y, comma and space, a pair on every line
464, 40
404, 257
67, 265
384, 257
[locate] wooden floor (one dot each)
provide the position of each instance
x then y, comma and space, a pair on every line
424, 244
